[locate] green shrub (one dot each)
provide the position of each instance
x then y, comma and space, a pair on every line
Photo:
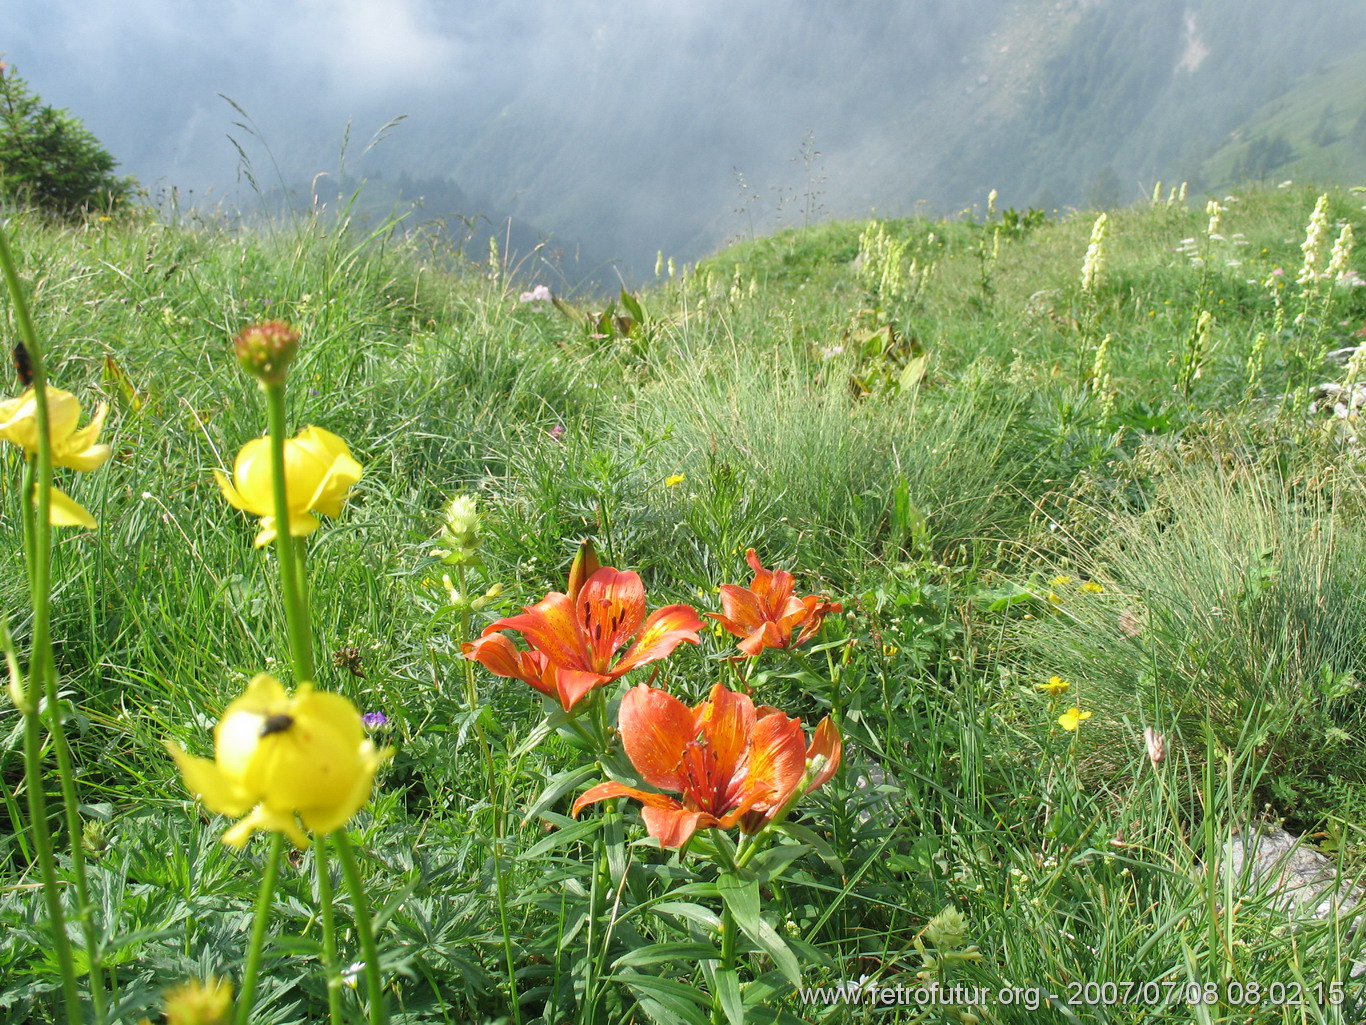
47, 157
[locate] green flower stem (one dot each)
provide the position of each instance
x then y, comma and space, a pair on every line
258, 930
728, 937
37, 506
296, 611
324, 871
47, 867
300, 547
354, 885
495, 797
472, 700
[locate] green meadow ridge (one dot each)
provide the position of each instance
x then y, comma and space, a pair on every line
1055, 516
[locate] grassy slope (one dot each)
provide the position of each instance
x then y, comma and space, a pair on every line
944, 514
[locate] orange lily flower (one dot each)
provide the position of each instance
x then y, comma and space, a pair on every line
731, 763
765, 614
575, 637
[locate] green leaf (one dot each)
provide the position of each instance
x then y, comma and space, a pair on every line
561, 838
741, 895
557, 787
633, 306
913, 372
728, 989
667, 1001
776, 947
692, 912
770, 864
660, 953
812, 839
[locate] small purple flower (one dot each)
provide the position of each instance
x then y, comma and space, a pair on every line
557, 432
374, 720
539, 294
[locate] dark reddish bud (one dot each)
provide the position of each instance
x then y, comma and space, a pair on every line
265, 350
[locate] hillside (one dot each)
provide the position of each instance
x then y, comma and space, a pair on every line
1000, 573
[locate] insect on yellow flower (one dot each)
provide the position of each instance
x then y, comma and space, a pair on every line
72, 448
277, 756
1073, 718
319, 475
1055, 686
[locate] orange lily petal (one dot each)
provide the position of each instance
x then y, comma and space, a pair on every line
655, 729
741, 611
572, 684
727, 720
609, 608
501, 657
604, 791
673, 827
825, 742
817, 609
777, 762
768, 635
665, 630
549, 626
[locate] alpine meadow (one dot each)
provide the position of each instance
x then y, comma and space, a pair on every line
950, 618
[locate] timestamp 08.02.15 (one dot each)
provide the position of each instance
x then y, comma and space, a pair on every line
1231, 992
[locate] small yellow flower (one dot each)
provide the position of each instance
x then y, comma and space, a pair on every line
1055, 686
674, 480
199, 1003
888, 650
1073, 718
319, 475
1091, 587
76, 449
277, 756
1060, 581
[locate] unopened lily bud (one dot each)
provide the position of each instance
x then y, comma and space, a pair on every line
266, 350
584, 566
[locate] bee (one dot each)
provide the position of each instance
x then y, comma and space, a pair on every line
23, 366
277, 723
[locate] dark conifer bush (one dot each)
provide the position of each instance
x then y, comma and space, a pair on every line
48, 159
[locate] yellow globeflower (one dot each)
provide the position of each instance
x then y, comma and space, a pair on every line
319, 475
1055, 686
72, 448
1073, 718
276, 756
